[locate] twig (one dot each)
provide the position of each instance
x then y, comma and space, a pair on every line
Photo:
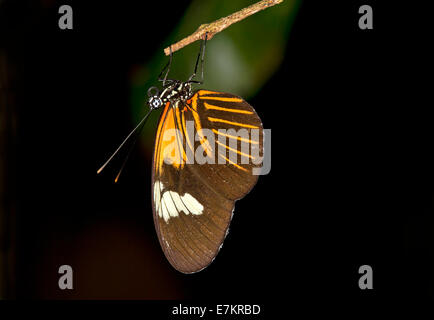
221, 24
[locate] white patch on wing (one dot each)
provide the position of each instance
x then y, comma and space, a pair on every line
163, 211
178, 202
169, 203
192, 204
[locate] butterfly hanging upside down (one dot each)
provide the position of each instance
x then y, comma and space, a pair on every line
193, 201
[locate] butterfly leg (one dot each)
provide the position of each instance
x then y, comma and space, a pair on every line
167, 69
201, 53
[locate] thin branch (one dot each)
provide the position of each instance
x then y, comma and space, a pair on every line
221, 24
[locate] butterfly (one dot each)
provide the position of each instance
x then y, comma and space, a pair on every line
208, 145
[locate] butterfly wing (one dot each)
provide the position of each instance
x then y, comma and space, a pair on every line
193, 201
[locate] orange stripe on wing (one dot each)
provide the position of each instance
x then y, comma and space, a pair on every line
205, 92
159, 136
233, 163
221, 99
213, 107
234, 137
234, 150
181, 146
233, 123
184, 130
203, 141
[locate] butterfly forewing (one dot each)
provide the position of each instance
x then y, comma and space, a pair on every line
193, 202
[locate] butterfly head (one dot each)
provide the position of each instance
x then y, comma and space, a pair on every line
154, 100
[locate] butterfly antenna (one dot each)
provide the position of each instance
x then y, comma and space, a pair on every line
139, 126
129, 151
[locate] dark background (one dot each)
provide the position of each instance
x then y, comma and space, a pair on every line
350, 182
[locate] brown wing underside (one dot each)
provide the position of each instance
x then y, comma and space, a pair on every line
193, 203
